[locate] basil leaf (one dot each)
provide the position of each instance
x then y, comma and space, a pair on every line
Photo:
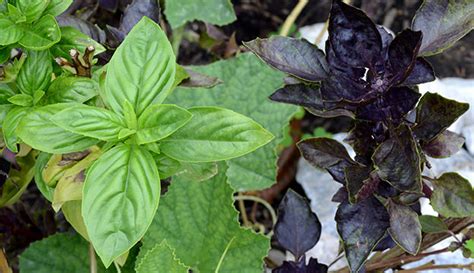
35, 74
21, 100
11, 32
90, 121
32, 9
453, 196
405, 227
142, 69
71, 89
37, 130
74, 38
122, 189
41, 162
215, 134
160, 121
56, 7
10, 125
42, 34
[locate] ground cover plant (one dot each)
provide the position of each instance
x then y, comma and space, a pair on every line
143, 162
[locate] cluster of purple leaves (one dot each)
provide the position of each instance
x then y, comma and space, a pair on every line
371, 76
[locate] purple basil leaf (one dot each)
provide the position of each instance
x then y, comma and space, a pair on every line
434, 114
338, 66
386, 243
300, 94
328, 154
353, 36
197, 79
422, 72
361, 226
386, 190
340, 196
405, 228
84, 26
301, 267
398, 161
443, 22
361, 182
402, 54
444, 145
110, 5
297, 57
339, 87
387, 37
298, 229
393, 105
362, 141
136, 10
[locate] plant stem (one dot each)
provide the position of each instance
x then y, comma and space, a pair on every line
285, 29
437, 267
93, 260
261, 201
243, 211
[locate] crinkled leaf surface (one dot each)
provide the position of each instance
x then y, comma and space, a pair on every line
42, 34
141, 70
298, 229
435, 113
216, 12
35, 74
247, 83
443, 22
297, 57
444, 145
405, 227
432, 224
160, 259
214, 134
453, 196
198, 220
361, 226
121, 189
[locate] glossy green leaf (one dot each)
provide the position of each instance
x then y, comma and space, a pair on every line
90, 121
122, 189
198, 220
432, 224
434, 114
247, 83
405, 228
453, 196
216, 12
443, 22
21, 100
36, 72
4, 109
160, 259
160, 121
215, 134
41, 162
56, 7
11, 32
32, 9
72, 38
142, 69
42, 34
71, 89
10, 125
37, 130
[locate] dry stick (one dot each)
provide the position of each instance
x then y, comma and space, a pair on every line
285, 29
93, 260
436, 267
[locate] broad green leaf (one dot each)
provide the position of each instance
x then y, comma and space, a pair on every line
40, 164
72, 38
18, 180
216, 12
198, 220
122, 189
21, 100
56, 7
37, 130
130, 116
59, 253
443, 22
90, 121
5, 93
71, 89
247, 83
405, 228
190, 171
160, 259
72, 211
35, 74
142, 69
42, 34
215, 134
453, 196
159, 121
32, 9
432, 224
4, 109
10, 125
11, 32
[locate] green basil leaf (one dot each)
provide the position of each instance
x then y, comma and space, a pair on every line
32, 9
35, 74
453, 196
90, 121
4, 109
42, 34
71, 89
21, 100
185, 170
432, 224
160, 121
122, 189
11, 70
215, 134
56, 7
142, 69
37, 96
5, 93
160, 259
37, 130
129, 115
40, 164
72, 38
10, 124
11, 33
